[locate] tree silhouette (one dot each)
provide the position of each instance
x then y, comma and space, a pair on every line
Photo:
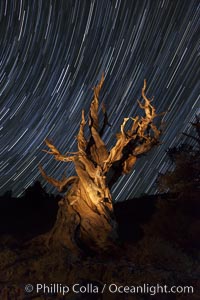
184, 178
85, 217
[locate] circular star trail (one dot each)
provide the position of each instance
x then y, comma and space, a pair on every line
52, 53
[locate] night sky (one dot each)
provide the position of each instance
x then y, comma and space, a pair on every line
52, 53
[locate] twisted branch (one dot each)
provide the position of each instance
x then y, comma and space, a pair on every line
93, 157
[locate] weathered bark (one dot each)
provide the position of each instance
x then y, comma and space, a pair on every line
85, 218
82, 225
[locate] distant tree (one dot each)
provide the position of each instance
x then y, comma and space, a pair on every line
34, 190
185, 174
85, 216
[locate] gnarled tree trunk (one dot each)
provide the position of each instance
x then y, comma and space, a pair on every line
85, 217
82, 224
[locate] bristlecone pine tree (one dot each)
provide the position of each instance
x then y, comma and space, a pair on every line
85, 218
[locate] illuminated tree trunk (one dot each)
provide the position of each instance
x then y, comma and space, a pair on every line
83, 223
85, 217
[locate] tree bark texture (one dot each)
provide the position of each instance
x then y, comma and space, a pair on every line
85, 217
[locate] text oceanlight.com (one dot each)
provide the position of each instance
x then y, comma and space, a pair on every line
113, 288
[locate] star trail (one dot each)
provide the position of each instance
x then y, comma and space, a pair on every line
52, 53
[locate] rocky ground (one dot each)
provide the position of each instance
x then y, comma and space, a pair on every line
150, 262
159, 247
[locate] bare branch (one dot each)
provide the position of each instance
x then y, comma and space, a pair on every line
105, 120
82, 143
54, 150
98, 150
56, 153
96, 147
116, 151
93, 118
138, 140
60, 185
128, 164
134, 126
148, 108
93, 158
